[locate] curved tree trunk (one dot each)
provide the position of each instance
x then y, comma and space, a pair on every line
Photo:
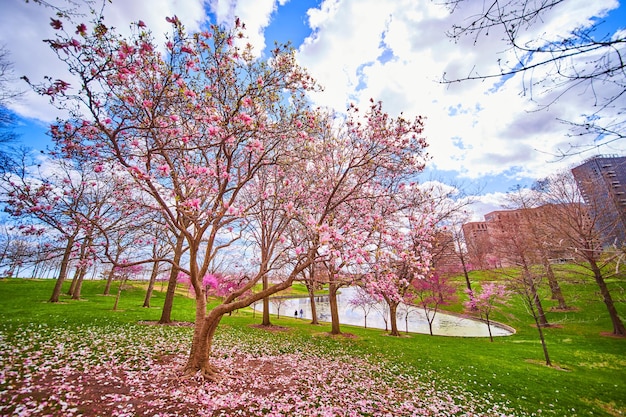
166, 313
618, 325
536, 300
555, 288
79, 283
541, 315
119, 293
107, 287
153, 276
542, 338
334, 309
56, 292
393, 308
70, 291
206, 325
204, 330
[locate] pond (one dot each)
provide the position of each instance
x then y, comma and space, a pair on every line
444, 324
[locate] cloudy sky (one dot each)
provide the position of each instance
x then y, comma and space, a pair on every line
488, 135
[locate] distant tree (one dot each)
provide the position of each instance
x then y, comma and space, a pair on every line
383, 309
313, 283
554, 64
51, 196
460, 245
515, 247
124, 273
405, 310
487, 300
430, 293
581, 229
536, 223
525, 283
161, 248
449, 204
363, 301
278, 303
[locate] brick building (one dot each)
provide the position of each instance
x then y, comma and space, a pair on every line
492, 243
602, 183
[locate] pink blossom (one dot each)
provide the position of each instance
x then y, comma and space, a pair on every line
246, 119
193, 203
164, 169
255, 146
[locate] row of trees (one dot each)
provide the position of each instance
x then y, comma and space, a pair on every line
194, 154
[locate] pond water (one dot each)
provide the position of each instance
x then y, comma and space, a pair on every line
415, 321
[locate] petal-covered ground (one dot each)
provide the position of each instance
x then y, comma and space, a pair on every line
135, 371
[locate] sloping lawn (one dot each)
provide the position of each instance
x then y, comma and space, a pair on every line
82, 358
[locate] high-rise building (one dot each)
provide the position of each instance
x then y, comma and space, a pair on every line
602, 183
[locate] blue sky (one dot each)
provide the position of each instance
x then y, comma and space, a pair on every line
482, 135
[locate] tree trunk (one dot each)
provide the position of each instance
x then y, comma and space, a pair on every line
489, 327
618, 325
79, 283
393, 308
555, 288
204, 330
79, 275
544, 346
107, 287
541, 316
153, 276
334, 309
536, 300
266, 306
119, 293
311, 290
56, 292
406, 322
166, 313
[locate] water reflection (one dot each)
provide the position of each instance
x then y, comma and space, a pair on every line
415, 321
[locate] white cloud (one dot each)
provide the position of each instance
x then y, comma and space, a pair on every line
396, 51
24, 26
255, 14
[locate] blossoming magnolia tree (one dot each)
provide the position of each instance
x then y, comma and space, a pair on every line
401, 250
193, 130
487, 300
354, 166
70, 200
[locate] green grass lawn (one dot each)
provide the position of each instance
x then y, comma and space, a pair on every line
588, 376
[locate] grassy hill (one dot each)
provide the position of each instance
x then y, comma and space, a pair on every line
588, 376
